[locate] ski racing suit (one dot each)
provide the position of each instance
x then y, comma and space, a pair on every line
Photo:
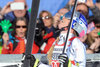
75, 51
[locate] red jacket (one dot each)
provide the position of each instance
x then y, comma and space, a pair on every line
48, 45
20, 48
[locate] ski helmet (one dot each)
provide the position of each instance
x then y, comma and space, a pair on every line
79, 23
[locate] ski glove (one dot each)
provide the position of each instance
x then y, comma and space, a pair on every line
63, 59
5, 25
33, 61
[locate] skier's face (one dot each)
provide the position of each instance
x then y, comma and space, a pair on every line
63, 23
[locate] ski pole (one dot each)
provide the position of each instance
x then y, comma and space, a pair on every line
69, 28
31, 32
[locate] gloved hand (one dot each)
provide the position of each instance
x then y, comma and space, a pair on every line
5, 25
63, 59
33, 61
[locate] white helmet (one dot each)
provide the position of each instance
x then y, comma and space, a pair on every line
79, 23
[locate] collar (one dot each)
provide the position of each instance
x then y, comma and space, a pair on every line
62, 37
19, 38
65, 34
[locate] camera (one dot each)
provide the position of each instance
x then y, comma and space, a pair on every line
82, 1
17, 6
39, 28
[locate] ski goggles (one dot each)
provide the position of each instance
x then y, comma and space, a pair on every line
67, 15
97, 26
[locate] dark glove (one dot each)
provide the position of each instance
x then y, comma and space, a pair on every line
63, 59
33, 60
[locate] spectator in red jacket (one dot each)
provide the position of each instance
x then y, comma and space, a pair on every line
18, 44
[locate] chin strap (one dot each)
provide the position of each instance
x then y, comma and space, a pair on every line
62, 29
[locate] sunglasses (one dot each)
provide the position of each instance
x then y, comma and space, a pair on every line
98, 26
21, 26
46, 17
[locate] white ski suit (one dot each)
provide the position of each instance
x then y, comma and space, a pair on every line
75, 51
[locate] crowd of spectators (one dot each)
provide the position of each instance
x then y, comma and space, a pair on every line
14, 41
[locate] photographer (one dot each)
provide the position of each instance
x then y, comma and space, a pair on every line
10, 13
